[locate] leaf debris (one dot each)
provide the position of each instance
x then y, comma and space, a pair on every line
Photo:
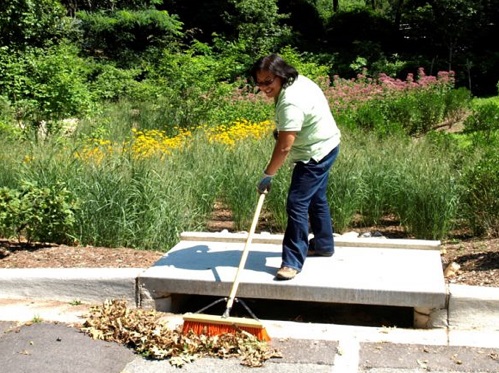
145, 332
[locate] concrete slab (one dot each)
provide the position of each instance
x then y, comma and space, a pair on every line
355, 274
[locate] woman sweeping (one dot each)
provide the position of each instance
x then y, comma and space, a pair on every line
308, 136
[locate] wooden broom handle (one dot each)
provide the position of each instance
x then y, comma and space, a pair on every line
244, 256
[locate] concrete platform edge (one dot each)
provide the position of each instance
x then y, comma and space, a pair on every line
470, 308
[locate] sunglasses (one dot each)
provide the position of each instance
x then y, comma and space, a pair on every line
266, 83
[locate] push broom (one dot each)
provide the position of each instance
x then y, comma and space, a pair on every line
213, 325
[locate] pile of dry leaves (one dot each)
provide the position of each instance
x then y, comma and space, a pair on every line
149, 335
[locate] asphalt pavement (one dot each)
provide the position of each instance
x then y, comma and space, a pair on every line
44, 336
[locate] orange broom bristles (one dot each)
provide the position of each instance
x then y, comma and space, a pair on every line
216, 325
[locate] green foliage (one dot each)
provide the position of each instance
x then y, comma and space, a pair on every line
481, 180
457, 103
427, 198
10, 158
481, 197
73, 5
8, 129
477, 101
324, 9
112, 84
415, 112
25, 23
259, 24
123, 35
391, 65
234, 57
304, 63
196, 88
9, 204
275, 202
39, 214
45, 84
188, 83
243, 163
238, 104
482, 125
145, 203
385, 117
346, 185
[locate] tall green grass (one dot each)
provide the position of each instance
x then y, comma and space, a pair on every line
412, 179
147, 203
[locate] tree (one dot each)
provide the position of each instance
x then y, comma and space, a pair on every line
259, 24
124, 35
74, 6
25, 23
454, 35
306, 19
397, 9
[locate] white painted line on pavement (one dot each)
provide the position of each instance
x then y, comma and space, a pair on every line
347, 356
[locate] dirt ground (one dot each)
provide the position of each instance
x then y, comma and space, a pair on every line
466, 261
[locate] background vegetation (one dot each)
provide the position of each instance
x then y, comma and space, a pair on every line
122, 123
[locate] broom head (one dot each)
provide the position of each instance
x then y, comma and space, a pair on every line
212, 325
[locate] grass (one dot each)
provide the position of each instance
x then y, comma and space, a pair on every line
140, 182
133, 196
36, 319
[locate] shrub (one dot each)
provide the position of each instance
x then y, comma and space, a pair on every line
122, 35
457, 103
111, 83
9, 204
388, 105
8, 128
481, 197
45, 85
39, 214
482, 125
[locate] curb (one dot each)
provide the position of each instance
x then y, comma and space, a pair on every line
68, 284
471, 308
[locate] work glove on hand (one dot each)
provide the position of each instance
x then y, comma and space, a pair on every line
264, 184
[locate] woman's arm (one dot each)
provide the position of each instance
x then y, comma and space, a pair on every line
282, 148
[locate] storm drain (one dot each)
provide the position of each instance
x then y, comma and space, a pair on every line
299, 311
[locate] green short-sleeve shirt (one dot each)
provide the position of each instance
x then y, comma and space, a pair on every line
303, 107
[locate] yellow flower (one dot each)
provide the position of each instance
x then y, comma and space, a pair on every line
151, 143
28, 159
156, 143
240, 130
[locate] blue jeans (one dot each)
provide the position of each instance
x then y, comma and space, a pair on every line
307, 199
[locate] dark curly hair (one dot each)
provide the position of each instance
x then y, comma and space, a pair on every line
277, 66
